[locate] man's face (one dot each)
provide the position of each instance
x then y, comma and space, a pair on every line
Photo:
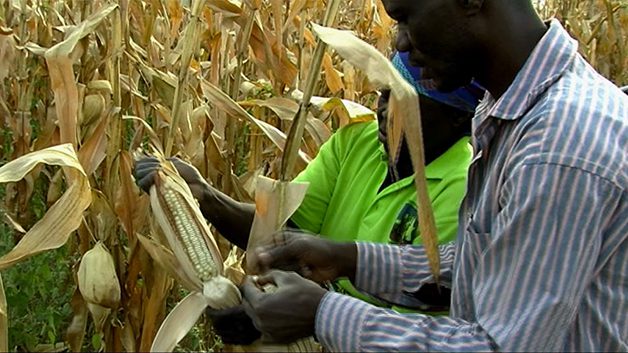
435, 34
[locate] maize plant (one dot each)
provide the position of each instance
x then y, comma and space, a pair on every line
197, 262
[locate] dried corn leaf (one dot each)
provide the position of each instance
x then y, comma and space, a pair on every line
59, 59
286, 109
404, 115
76, 330
99, 316
227, 7
53, 230
7, 54
219, 98
190, 43
269, 56
94, 149
348, 111
128, 195
154, 308
332, 78
13, 223
152, 136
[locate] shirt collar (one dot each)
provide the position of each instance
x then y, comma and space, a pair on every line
443, 164
450, 160
554, 54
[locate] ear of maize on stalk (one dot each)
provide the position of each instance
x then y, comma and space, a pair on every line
190, 239
97, 279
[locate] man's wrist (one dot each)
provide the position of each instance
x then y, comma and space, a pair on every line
347, 255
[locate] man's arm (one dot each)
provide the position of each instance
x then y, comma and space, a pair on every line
528, 280
233, 219
346, 324
395, 273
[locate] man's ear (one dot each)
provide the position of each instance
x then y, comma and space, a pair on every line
472, 7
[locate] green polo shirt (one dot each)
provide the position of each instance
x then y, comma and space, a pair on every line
343, 201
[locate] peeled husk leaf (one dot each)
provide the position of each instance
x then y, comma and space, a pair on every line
97, 278
275, 202
99, 315
179, 322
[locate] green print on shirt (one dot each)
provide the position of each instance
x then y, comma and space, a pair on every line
405, 228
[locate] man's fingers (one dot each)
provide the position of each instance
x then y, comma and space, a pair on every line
281, 257
250, 291
146, 182
279, 278
146, 161
143, 168
276, 277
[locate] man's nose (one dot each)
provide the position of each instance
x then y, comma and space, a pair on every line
402, 42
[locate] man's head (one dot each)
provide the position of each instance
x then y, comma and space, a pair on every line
440, 37
445, 117
454, 41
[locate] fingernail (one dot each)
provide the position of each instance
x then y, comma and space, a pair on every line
263, 256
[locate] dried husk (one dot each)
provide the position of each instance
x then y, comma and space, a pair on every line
97, 278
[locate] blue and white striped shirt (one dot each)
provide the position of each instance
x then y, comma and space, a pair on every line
541, 260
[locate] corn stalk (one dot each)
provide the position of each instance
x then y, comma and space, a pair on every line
190, 44
298, 124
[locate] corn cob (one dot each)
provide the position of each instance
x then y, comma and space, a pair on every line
189, 234
190, 239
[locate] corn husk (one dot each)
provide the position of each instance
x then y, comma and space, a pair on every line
97, 278
216, 292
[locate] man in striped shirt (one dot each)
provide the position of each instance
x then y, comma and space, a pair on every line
541, 258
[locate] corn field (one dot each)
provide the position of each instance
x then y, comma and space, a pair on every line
215, 82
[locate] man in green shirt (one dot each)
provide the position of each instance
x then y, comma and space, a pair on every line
355, 193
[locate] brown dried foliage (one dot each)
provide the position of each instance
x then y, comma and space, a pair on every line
114, 92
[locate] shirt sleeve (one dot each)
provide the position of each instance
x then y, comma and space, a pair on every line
345, 324
322, 174
394, 273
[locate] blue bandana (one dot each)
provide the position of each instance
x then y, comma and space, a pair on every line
465, 98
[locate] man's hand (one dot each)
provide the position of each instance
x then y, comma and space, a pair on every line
287, 313
312, 257
233, 325
146, 168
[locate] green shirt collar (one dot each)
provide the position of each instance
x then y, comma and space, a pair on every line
446, 162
